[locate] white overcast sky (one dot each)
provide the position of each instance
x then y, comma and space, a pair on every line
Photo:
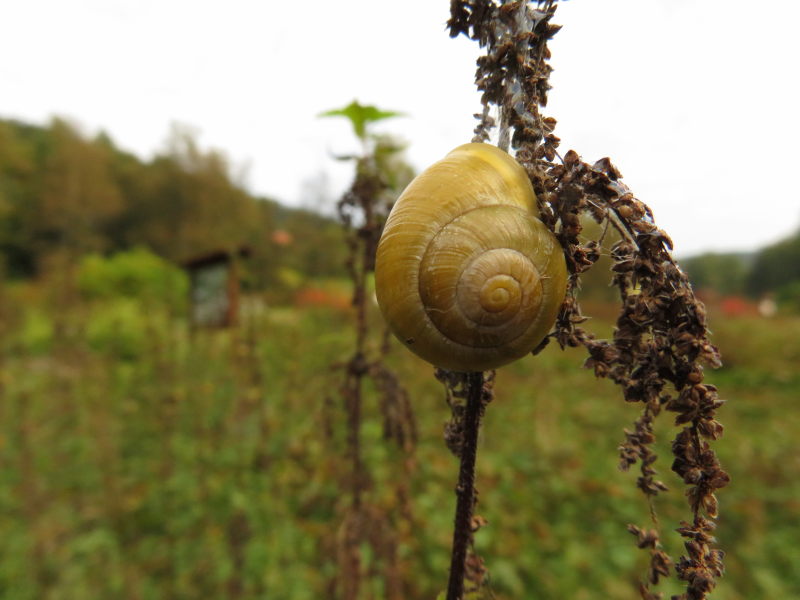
696, 101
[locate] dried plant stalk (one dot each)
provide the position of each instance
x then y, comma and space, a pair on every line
468, 394
661, 340
363, 210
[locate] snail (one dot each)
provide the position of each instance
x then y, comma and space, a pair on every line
466, 275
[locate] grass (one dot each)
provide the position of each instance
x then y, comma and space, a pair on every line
209, 464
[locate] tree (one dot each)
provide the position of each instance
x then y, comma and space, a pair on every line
78, 197
17, 165
724, 273
775, 266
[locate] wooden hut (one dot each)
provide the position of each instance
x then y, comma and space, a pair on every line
214, 287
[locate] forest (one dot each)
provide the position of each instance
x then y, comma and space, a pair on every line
63, 194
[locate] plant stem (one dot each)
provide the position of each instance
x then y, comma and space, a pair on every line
465, 492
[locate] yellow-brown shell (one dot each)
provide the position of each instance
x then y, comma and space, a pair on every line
466, 276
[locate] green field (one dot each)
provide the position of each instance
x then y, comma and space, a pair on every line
140, 460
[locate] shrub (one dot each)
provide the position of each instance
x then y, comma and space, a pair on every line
118, 328
135, 274
35, 335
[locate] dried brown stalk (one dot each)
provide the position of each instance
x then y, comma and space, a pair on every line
661, 341
468, 394
363, 210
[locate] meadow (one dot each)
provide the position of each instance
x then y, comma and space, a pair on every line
141, 459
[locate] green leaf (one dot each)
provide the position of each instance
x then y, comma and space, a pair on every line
360, 116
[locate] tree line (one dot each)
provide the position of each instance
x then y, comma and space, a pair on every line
773, 270
62, 192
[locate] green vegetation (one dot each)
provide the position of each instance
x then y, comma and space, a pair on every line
63, 196
360, 116
724, 273
136, 274
776, 266
773, 270
207, 467
140, 459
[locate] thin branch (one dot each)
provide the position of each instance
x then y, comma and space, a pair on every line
465, 492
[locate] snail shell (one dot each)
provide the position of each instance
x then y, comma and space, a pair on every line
466, 275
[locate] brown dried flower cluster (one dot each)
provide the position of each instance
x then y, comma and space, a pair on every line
661, 341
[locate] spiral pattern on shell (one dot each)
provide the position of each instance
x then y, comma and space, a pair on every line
466, 276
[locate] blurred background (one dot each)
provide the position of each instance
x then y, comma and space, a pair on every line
175, 296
